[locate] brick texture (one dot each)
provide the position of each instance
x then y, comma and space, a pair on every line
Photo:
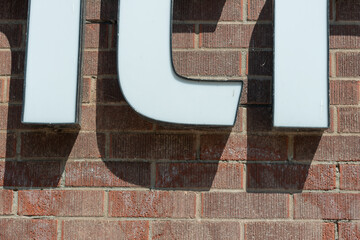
349, 120
152, 204
349, 177
349, 231
244, 205
28, 229
289, 230
6, 198
61, 203
104, 229
195, 230
327, 206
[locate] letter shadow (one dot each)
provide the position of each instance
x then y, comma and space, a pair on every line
141, 152
35, 156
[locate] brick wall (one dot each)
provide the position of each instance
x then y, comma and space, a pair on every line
123, 177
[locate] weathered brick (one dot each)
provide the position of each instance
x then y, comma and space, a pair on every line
259, 118
62, 145
349, 120
289, 176
344, 36
12, 62
104, 229
260, 10
153, 146
118, 118
7, 145
289, 230
61, 203
238, 147
199, 175
6, 200
195, 230
101, 10
236, 36
327, 148
97, 35
183, 36
230, 10
31, 174
99, 63
10, 35
259, 63
327, 206
349, 230
19, 228
347, 64
86, 90
151, 204
344, 92
256, 92
13, 9
350, 177
107, 174
244, 205
348, 10
108, 91
88, 118
209, 63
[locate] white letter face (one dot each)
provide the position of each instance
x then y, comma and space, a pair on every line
52, 61
148, 80
301, 95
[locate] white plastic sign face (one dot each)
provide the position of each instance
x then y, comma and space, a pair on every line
52, 61
148, 80
301, 97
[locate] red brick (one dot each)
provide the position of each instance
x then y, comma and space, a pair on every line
62, 145
107, 174
10, 35
13, 9
99, 63
153, 146
151, 204
195, 230
238, 147
108, 91
12, 62
183, 36
259, 119
101, 10
120, 118
7, 145
259, 63
260, 10
207, 63
199, 175
344, 92
104, 229
19, 228
327, 206
230, 10
3, 90
349, 120
88, 118
285, 177
344, 36
244, 205
347, 64
97, 35
349, 230
289, 230
14, 92
256, 92
6, 200
327, 148
31, 174
348, 10
237, 36
86, 90
350, 177
61, 203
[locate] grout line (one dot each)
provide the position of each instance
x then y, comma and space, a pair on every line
106, 203
291, 206
242, 231
59, 229
15, 203
198, 206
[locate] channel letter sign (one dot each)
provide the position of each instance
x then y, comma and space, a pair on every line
147, 77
